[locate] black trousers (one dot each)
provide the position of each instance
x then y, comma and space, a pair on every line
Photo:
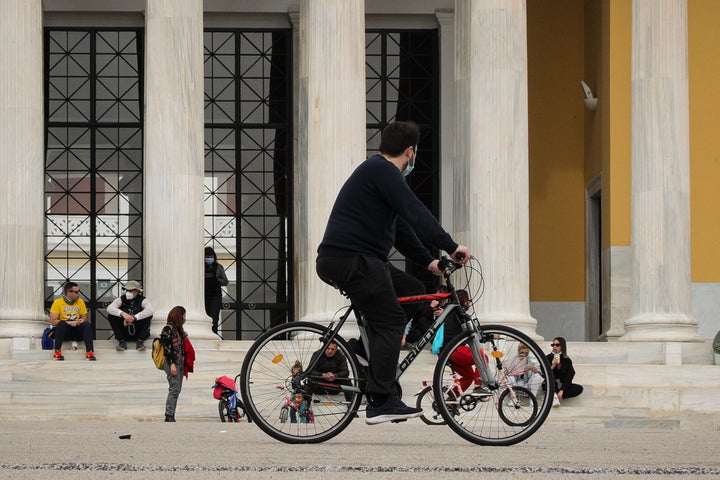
212, 308
84, 332
142, 329
374, 286
569, 391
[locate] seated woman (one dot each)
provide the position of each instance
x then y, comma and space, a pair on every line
523, 371
563, 371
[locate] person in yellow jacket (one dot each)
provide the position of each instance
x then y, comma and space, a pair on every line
68, 314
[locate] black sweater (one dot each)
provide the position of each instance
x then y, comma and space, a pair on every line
375, 210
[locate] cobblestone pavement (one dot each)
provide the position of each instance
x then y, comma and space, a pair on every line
67, 449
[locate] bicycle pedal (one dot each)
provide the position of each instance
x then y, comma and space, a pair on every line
399, 420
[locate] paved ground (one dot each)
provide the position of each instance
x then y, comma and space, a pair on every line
204, 450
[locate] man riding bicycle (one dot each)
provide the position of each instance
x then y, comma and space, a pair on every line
374, 211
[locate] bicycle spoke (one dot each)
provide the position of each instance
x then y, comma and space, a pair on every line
268, 389
503, 412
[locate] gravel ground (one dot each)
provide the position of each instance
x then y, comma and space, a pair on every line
68, 449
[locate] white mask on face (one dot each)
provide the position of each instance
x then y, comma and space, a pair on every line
129, 295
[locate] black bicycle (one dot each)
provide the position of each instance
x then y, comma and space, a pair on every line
502, 414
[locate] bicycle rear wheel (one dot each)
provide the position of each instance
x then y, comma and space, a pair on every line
267, 385
485, 417
426, 401
517, 406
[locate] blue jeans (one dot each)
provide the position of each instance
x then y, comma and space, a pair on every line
174, 387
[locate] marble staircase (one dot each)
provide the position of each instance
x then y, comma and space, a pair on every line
635, 385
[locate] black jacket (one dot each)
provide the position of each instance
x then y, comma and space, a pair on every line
564, 372
336, 364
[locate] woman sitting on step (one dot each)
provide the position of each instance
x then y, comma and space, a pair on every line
563, 371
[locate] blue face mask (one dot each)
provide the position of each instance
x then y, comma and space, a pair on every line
408, 169
410, 166
209, 261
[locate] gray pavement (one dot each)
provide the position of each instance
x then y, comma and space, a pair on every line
206, 449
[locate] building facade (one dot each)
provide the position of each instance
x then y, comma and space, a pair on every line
159, 127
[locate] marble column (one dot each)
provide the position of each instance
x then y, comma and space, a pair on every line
660, 301
331, 134
491, 154
446, 22
174, 158
22, 163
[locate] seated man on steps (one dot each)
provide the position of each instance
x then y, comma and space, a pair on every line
130, 316
68, 314
332, 367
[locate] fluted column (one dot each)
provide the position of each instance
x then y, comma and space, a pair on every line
661, 306
174, 172
22, 166
446, 21
331, 133
491, 156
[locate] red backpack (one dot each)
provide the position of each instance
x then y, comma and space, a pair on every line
221, 384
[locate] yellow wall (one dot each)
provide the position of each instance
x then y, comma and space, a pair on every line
569, 41
556, 125
617, 142
704, 75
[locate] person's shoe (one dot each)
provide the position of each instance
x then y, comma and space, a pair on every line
393, 410
58, 356
121, 347
140, 346
556, 401
90, 356
169, 418
482, 393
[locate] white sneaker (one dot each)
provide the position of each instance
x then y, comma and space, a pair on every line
556, 401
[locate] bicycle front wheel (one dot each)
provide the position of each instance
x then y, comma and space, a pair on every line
267, 386
500, 412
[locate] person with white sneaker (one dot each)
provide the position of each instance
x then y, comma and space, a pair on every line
563, 371
374, 211
130, 316
68, 314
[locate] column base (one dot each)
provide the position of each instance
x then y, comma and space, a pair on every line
523, 322
197, 325
349, 330
22, 324
661, 328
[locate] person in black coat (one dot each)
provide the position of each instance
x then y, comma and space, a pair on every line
215, 278
332, 367
563, 371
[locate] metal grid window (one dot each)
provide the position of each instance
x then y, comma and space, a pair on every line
403, 83
248, 167
93, 164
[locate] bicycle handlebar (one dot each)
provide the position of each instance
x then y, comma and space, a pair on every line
448, 265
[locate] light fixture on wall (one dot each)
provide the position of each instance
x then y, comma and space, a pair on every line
590, 99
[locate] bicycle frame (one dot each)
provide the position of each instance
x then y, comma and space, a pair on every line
466, 323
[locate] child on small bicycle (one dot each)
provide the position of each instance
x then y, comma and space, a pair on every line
461, 360
299, 409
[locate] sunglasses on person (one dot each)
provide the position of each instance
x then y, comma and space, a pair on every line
554, 344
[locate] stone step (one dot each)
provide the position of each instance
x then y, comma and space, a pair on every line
127, 385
